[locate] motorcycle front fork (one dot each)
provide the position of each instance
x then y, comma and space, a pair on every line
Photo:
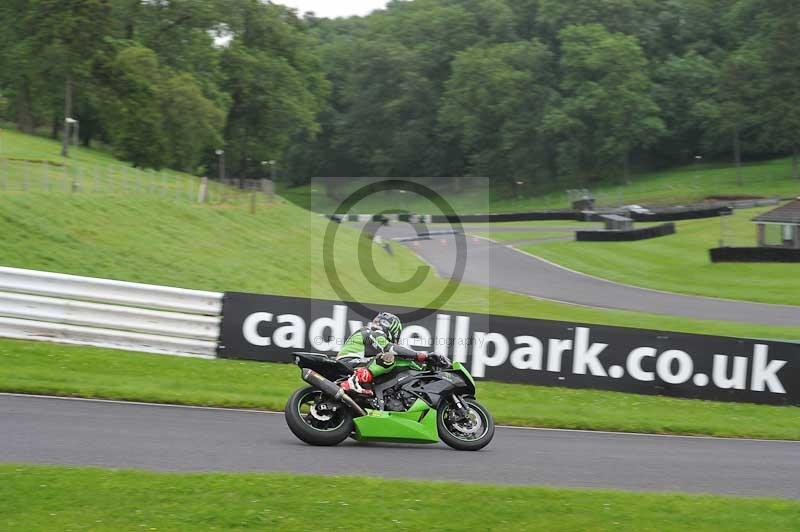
461, 408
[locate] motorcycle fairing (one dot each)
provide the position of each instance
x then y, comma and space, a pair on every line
417, 425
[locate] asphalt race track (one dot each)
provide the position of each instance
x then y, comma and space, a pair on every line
500, 266
130, 435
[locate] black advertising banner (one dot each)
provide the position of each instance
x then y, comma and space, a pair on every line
522, 350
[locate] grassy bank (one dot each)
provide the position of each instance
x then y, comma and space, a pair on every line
33, 367
137, 236
33, 164
275, 251
680, 185
680, 262
70, 498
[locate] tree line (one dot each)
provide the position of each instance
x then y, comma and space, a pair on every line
164, 82
533, 93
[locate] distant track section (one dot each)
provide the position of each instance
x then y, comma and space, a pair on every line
501, 266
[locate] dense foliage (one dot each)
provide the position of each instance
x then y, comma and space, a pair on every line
533, 93
164, 82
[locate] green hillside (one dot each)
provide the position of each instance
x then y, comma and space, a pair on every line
149, 237
30, 162
687, 184
682, 185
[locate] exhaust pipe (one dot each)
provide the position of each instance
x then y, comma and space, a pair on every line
330, 388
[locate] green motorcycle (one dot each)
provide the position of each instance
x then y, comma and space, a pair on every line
412, 404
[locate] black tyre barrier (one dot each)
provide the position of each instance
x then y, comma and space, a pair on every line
728, 254
625, 236
569, 215
684, 214
339, 218
510, 217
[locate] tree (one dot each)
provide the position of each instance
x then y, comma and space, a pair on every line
192, 123
731, 112
157, 117
776, 41
689, 26
608, 110
495, 104
524, 90
387, 101
274, 82
18, 68
685, 88
133, 109
180, 32
66, 35
388, 73
631, 17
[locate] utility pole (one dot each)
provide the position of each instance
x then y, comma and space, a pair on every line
268, 185
67, 119
698, 159
221, 164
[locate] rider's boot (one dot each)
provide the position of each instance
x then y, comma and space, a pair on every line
353, 385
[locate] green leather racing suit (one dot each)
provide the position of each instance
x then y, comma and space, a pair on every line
371, 343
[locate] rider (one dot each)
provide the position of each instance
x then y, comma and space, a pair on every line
378, 342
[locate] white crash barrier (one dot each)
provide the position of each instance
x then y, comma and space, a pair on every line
71, 334
109, 291
117, 317
56, 307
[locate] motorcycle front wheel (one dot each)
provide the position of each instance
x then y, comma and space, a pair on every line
468, 431
313, 424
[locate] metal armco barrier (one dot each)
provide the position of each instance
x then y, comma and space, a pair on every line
56, 307
108, 291
543, 352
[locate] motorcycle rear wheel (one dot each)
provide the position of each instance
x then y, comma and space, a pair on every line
313, 427
470, 433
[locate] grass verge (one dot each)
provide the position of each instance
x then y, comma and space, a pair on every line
33, 367
70, 498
